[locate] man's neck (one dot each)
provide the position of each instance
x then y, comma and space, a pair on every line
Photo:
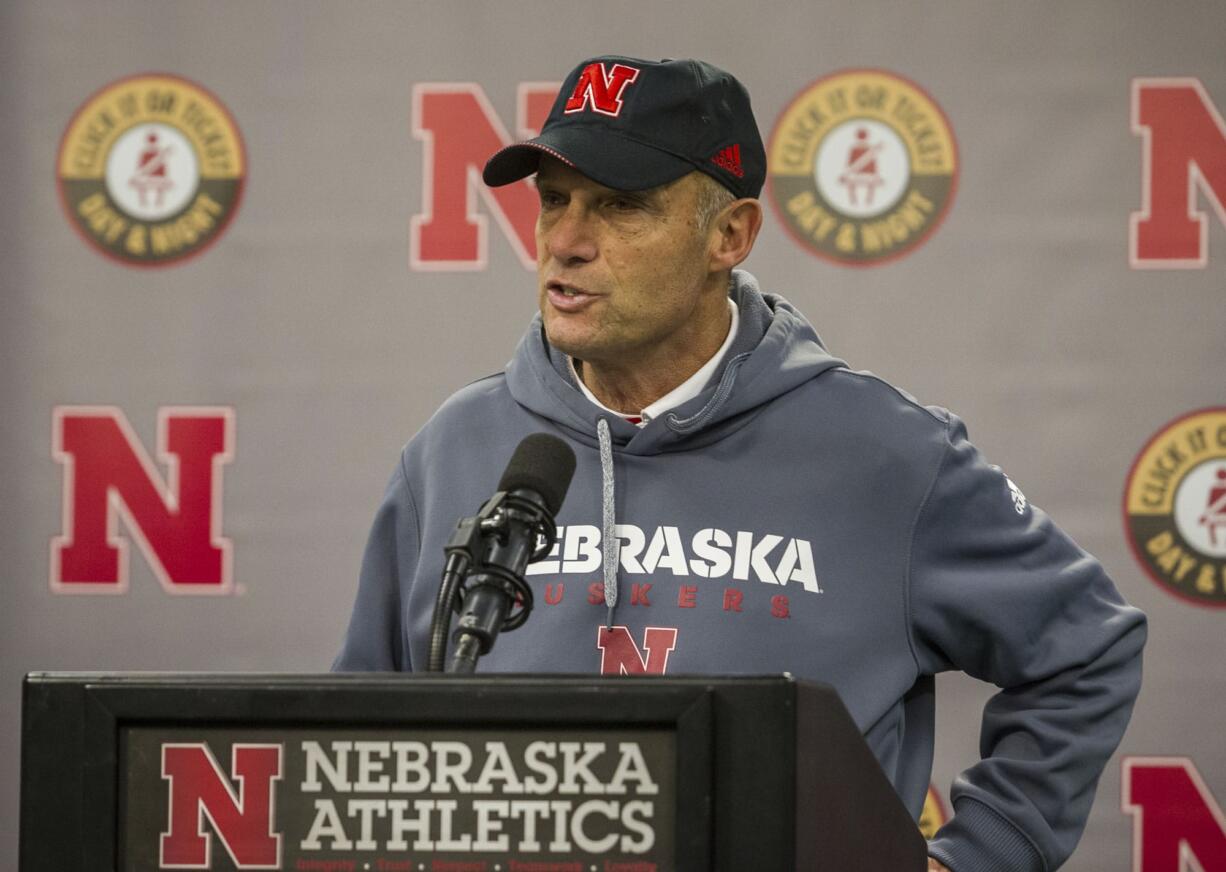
633, 386
627, 392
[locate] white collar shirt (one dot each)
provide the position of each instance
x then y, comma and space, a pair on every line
687, 390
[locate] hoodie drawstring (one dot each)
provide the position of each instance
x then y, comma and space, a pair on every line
610, 544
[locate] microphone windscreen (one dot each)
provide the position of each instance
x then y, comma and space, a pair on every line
544, 464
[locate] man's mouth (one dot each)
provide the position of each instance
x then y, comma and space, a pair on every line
566, 297
564, 288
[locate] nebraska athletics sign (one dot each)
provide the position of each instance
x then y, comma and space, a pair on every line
473, 800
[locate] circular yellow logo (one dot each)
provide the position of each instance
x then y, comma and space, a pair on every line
862, 167
933, 817
151, 169
1175, 507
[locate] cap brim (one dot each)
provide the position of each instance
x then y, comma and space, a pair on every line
602, 155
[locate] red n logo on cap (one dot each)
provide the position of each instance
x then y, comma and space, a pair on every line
601, 89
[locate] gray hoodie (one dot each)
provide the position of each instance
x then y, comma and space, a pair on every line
795, 516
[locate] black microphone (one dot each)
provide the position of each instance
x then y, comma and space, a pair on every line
514, 527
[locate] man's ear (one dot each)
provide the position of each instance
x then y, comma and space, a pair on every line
735, 228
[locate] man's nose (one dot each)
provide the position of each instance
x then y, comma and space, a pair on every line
572, 237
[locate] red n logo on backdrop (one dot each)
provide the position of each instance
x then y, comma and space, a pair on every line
176, 523
460, 130
619, 655
1184, 152
1176, 824
243, 821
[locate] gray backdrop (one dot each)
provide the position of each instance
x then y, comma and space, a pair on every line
1021, 312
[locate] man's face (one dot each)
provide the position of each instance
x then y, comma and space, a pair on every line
620, 274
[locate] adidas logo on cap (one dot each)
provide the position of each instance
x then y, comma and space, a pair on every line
730, 159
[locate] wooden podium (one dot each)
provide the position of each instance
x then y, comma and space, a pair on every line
437, 773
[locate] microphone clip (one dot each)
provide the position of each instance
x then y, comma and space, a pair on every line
485, 561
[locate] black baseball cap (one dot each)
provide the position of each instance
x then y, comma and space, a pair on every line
632, 124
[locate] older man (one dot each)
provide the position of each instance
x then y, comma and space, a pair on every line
744, 502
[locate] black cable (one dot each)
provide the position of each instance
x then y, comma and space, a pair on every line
444, 603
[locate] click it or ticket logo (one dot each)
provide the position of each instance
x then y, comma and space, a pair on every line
934, 814
151, 170
863, 167
1175, 507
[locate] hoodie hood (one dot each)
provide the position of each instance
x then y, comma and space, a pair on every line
775, 350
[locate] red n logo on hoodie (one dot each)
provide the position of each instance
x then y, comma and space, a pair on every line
1185, 153
619, 655
1177, 825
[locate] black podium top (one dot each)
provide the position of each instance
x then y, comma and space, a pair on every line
451, 774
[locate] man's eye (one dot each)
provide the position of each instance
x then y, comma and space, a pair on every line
623, 204
549, 198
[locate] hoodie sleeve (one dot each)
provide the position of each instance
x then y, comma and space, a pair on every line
374, 641
998, 591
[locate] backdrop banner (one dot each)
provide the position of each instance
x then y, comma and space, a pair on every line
247, 253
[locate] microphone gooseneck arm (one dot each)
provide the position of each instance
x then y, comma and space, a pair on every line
483, 579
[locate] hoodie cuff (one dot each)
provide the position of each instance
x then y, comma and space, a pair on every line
978, 839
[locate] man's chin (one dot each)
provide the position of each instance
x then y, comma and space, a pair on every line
572, 343
565, 344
